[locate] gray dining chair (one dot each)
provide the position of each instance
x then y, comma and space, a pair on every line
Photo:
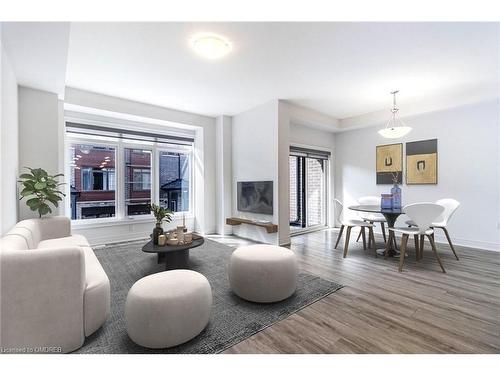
349, 224
422, 214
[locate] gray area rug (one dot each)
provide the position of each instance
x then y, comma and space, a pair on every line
232, 319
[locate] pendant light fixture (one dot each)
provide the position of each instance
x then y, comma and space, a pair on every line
395, 128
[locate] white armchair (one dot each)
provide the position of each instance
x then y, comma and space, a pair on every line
450, 206
349, 224
422, 214
372, 217
53, 290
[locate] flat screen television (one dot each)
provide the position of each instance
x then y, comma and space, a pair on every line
255, 196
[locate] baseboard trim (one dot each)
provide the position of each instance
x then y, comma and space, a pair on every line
298, 232
481, 245
114, 239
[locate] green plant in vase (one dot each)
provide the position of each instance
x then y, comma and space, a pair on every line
161, 214
40, 189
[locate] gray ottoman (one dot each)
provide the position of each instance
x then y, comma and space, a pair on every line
168, 308
263, 273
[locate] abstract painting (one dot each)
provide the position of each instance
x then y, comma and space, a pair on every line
421, 162
389, 163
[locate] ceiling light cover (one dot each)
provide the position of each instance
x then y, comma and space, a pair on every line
396, 132
210, 46
395, 128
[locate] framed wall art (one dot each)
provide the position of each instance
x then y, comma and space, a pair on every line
421, 162
389, 164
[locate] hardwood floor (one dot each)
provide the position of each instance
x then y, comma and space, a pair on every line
380, 310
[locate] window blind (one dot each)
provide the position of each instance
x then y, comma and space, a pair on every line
128, 134
309, 153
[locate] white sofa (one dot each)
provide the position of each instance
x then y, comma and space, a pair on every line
53, 290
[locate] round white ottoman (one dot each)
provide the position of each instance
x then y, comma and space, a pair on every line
168, 308
263, 273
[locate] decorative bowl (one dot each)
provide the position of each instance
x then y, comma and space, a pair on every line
172, 241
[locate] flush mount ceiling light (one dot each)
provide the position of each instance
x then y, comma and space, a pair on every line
395, 128
210, 46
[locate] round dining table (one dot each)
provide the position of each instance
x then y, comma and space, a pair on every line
391, 215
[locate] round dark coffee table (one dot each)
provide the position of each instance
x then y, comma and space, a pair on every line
174, 256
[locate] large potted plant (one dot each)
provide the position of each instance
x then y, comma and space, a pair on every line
40, 189
161, 214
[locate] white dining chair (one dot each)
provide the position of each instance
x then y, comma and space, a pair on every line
372, 217
423, 215
450, 207
349, 224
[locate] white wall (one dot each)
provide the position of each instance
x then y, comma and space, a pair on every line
301, 135
283, 146
8, 144
261, 149
304, 135
223, 173
204, 163
498, 121
39, 138
255, 158
303, 126
105, 233
468, 168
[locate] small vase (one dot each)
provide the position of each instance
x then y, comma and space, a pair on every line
156, 233
396, 197
180, 233
162, 240
386, 201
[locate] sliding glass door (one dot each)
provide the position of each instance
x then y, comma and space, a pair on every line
308, 189
315, 192
297, 192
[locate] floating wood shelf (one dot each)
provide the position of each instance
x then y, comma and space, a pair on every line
270, 227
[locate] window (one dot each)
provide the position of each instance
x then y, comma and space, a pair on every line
120, 173
137, 181
296, 190
308, 187
315, 169
141, 179
92, 181
86, 184
98, 179
174, 180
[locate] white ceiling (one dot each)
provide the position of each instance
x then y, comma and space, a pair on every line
340, 69
38, 52
343, 70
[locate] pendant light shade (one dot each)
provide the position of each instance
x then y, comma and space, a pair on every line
395, 128
396, 132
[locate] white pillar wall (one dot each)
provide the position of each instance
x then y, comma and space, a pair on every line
255, 158
8, 144
283, 174
261, 148
223, 173
39, 138
307, 128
